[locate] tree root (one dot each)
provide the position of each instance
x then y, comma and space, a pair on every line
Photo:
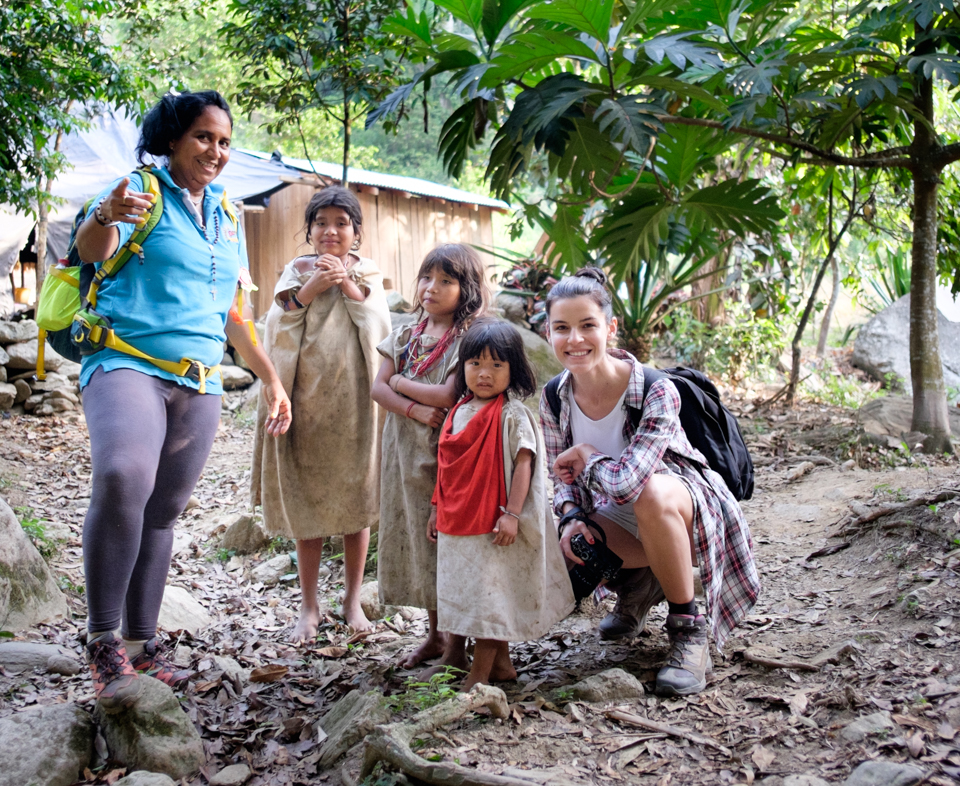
664, 728
391, 742
850, 526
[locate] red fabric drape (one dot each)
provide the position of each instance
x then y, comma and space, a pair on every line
470, 482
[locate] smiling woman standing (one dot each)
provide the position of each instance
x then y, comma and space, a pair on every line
151, 396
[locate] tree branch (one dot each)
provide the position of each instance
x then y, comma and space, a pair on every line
879, 160
948, 155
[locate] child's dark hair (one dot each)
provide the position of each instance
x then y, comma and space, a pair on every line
589, 281
463, 263
504, 343
170, 118
334, 196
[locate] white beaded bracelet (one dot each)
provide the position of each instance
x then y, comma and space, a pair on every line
510, 513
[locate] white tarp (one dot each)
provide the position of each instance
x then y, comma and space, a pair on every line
99, 156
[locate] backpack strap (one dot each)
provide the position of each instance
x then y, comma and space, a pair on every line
552, 391
133, 246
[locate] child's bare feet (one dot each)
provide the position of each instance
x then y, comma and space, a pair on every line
491, 663
356, 619
307, 625
432, 647
454, 657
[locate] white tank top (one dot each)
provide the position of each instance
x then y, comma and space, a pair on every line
606, 434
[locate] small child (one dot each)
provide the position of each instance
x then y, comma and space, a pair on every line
416, 387
322, 477
500, 576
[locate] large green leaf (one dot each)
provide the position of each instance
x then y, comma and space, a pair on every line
470, 12
682, 150
533, 51
629, 122
588, 16
588, 155
412, 25
497, 14
738, 207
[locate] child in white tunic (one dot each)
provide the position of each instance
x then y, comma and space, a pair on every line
500, 572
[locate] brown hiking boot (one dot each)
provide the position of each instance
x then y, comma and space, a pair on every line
115, 682
154, 663
688, 661
638, 591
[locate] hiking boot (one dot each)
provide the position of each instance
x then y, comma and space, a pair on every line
688, 661
638, 591
115, 682
154, 663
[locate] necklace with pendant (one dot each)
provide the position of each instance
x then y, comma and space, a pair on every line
212, 245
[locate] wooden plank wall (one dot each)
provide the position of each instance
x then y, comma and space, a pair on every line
399, 230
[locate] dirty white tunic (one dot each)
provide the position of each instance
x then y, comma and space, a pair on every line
507, 593
406, 560
321, 478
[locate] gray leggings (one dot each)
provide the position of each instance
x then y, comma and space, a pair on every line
149, 440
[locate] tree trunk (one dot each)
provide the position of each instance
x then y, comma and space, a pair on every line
831, 307
930, 415
43, 221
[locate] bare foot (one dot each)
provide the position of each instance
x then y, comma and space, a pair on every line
456, 660
356, 619
501, 673
431, 648
307, 625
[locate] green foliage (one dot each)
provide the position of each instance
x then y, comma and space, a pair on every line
56, 64
891, 280
37, 532
423, 694
840, 390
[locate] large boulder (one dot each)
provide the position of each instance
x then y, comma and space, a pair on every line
888, 420
49, 745
154, 734
15, 332
20, 656
882, 347
181, 611
24, 355
28, 591
235, 377
272, 571
244, 535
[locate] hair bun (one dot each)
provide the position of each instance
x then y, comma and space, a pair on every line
592, 272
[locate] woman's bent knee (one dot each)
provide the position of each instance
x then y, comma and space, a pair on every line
663, 501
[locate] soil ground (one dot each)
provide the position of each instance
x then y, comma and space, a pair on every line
887, 599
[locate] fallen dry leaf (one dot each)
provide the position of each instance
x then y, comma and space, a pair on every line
332, 652
270, 673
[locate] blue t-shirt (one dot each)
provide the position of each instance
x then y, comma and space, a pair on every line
164, 305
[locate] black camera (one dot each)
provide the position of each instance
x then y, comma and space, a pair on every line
599, 563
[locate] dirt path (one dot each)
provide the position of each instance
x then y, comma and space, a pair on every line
888, 602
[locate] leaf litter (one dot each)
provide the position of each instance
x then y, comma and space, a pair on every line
845, 627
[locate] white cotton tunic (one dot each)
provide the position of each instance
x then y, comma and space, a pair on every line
507, 593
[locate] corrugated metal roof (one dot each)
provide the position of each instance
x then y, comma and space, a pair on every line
413, 185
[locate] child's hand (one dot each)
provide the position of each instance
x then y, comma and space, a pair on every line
429, 416
331, 262
569, 465
505, 530
432, 526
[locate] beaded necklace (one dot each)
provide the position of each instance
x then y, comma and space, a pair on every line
213, 252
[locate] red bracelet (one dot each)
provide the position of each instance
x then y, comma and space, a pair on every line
412, 405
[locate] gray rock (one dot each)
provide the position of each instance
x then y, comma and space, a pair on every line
19, 656
514, 309
888, 420
4, 357
62, 393
47, 745
270, 572
228, 359
244, 535
70, 370
32, 402
230, 668
181, 611
28, 591
23, 391
804, 780
883, 346
234, 775
544, 362
143, 778
370, 601
396, 302
235, 377
154, 734
14, 332
54, 381
349, 721
861, 728
884, 773
3, 373
609, 685
24, 355
54, 406
8, 395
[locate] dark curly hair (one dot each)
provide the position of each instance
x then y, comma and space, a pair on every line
334, 196
463, 263
170, 118
504, 343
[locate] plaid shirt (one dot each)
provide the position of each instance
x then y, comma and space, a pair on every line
721, 535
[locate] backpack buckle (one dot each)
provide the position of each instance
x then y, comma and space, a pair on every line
196, 371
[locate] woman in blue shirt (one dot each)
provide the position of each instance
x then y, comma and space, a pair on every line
151, 423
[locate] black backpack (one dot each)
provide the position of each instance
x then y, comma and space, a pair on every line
710, 427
